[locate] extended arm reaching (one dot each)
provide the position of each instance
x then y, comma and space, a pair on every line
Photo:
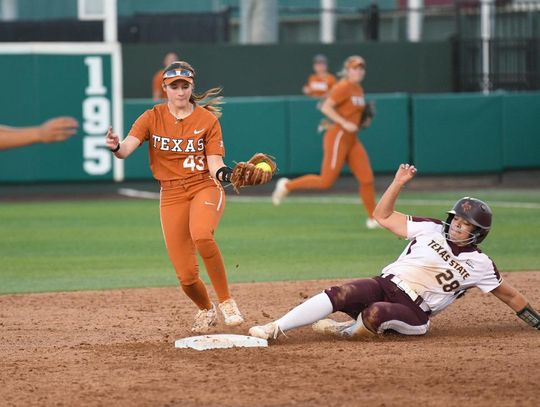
384, 213
53, 130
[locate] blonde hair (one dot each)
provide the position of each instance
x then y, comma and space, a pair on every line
210, 100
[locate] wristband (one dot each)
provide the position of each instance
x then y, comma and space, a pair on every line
530, 316
116, 149
224, 174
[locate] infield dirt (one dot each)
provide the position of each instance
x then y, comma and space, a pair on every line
116, 348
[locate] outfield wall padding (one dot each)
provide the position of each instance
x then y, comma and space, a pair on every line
457, 133
441, 134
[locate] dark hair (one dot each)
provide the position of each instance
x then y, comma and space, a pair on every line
210, 97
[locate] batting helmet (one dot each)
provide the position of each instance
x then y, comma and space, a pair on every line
474, 211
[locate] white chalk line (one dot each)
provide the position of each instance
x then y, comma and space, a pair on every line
333, 200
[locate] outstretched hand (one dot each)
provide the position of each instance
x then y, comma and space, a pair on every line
111, 139
405, 173
57, 129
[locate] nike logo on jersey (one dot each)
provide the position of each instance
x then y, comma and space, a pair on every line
209, 203
198, 131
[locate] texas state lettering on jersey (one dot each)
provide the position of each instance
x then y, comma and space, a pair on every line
438, 270
178, 148
349, 100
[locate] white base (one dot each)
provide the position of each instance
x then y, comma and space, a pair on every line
220, 341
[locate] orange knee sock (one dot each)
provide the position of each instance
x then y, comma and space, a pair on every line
209, 251
367, 193
198, 294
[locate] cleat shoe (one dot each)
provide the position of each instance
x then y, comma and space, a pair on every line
268, 331
372, 224
280, 191
330, 327
358, 330
231, 313
204, 320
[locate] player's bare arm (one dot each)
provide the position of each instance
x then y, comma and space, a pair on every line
53, 130
384, 212
328, 108
510, 296
215, 162
517, 301
121, 149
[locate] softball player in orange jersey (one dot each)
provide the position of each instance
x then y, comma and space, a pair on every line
186, 157
321, 81
344, 106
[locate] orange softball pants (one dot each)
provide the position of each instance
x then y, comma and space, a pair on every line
190, 213
339, 147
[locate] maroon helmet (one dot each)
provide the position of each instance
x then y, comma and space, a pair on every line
474, 211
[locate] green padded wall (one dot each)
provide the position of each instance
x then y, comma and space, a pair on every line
286, 127
252, 125
459, 133
137, 165
388, 139
441, 134
304, 141
521, 130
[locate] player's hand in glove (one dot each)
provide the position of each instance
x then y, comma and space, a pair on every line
259, 169
368, 115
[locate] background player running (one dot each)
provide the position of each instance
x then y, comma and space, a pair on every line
344, 107
439, 264
320, 82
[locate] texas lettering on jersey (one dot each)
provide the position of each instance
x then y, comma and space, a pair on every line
349, 100
177, 145
358, 100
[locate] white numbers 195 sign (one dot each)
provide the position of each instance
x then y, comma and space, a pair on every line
96, 113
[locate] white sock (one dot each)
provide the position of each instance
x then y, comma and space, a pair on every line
312, 310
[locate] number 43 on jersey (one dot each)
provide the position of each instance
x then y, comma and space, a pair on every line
194, 162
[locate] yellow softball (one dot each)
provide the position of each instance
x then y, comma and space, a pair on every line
264, 166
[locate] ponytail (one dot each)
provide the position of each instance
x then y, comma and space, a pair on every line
212, 100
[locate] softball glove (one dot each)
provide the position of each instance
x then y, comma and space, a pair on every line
259, 169
368, 115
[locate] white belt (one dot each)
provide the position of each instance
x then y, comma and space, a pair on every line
403, 286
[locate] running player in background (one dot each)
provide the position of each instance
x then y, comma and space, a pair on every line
158, 92
52, 131
344, 107
441, 262
321, 81
186, 157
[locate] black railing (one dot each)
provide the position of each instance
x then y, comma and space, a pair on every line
513, 49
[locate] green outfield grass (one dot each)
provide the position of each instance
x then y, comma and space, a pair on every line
57, 246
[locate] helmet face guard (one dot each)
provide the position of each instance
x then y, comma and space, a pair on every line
474, 211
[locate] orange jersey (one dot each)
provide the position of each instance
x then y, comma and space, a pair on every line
349, 100
319, 86
157, 80
178, 148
